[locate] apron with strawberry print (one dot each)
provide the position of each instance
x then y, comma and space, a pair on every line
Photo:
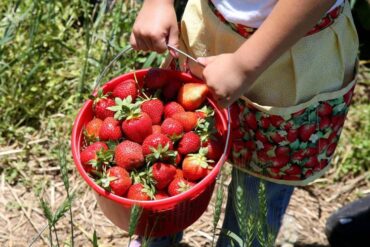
293, 148
285, 129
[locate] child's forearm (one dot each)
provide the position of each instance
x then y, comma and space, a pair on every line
289, 21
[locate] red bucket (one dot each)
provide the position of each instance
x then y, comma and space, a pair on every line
160, 217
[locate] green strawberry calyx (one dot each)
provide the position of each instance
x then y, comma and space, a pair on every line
201, 159
161, 154
125, 108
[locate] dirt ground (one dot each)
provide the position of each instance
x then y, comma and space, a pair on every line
22, 219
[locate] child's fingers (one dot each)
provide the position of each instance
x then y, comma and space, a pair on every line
133, 42
159, 44
173, 39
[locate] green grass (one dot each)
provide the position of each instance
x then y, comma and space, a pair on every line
50, 54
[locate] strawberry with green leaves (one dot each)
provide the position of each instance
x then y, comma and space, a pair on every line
129, 155
110, 130
101, 107
189, 120
125, 89
215, 148
95, 156
178, 186
195, 166
163, 174
136, 125
117, 179
172, 128
154, 142
172, 108
192, 95
189, 143
140, 192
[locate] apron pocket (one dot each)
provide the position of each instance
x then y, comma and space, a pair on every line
292, 145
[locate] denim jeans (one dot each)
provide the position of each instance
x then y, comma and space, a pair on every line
277, 200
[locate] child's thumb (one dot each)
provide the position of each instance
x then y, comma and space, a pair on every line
205, 60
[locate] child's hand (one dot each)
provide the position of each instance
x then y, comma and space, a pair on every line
226, 78
155, 25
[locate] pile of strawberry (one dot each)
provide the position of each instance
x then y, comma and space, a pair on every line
151, 140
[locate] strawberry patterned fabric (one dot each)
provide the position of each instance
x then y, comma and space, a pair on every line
293, 147
246, 32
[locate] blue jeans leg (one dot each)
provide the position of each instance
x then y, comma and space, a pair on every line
277, 200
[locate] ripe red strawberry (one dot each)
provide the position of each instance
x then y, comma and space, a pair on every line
263, 156
188, 120
324, 109
171, 89
178, 159
298, 155
121, 180
125, 89
189, 143
311, 151
251, 121
138, 127
92, 128
235, 112
276, 120
172, 108
312, 162
192, 95
161, 195
250, 145
293, 170
195, 166
298, 113
280, 161
265, 122
153, 141
324, 123
305, 131
110, 130
155, 78
172, 128
163, 174
100, 108
90, 155
179, 185
156, 129
154, 108
282, 151
214, 149
129, 155
347, 97
308, 173
261, 137
139, 192
292, 135
277, 138
322, 144
179, 173
331, 149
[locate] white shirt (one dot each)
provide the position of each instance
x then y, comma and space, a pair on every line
250, 13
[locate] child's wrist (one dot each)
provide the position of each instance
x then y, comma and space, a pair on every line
247, 64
